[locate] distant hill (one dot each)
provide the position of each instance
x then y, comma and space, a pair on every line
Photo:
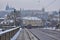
34, 13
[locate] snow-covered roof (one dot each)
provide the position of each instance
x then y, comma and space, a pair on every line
1, 18
10, 21
55, 18
31, 18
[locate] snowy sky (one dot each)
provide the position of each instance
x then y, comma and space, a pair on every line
31, 4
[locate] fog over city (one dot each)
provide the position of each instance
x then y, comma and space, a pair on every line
29, 19
49, 5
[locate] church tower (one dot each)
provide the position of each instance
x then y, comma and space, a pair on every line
7, 7
43, 9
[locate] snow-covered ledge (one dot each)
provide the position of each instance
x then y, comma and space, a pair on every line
8, 34
16, 35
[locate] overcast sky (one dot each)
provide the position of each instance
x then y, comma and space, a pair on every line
31, 4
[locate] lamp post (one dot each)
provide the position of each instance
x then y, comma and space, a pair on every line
14, 17
59, 16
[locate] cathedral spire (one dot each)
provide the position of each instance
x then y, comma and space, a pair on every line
7, 6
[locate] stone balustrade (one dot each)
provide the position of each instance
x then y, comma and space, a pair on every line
8, 34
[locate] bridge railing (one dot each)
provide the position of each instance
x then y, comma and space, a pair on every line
8, 34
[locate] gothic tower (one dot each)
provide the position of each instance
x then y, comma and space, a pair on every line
7, 7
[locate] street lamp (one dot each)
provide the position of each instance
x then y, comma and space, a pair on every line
14, 17
59, 16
